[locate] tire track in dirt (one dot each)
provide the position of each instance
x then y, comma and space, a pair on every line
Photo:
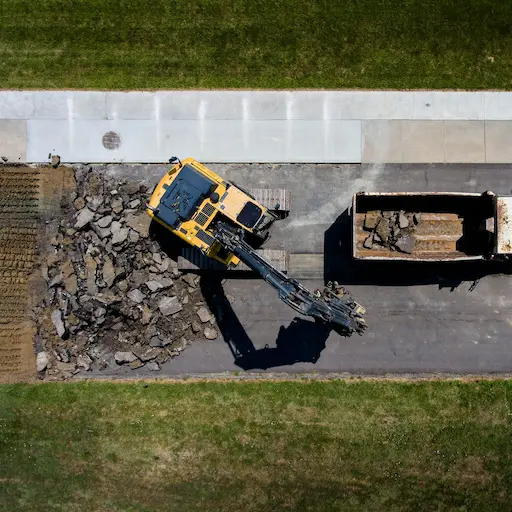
28, 197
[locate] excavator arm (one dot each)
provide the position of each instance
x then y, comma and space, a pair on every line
332, 306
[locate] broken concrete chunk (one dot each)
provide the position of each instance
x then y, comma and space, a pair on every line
42, 360
71, 284
139, 223
109, 273
124, 357
403, 221
119, 236
370, 221
79, 203
406, 244
190, 279
116, 226
210, 333
136, 296
159, 284
91, 266
65, 367
130, 188
99, 312
368, 242
117, 204
62, 354
382, 229
83, 218
158, 342
146, 315
204, 314
416, 218
104, 221
169, 306
56, 280
102, 232
67, 268
134, 236
153, 366
84, 361
58, 322
180, 345
93, 203
148, 353
122, 285
138, 277
107, 298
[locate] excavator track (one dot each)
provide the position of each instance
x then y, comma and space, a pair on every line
192, 259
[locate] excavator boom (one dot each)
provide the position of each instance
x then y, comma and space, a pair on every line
329, 306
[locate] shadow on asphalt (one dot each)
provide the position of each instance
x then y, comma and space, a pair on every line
301, 342
339, 265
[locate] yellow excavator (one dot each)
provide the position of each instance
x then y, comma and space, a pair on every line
229, 224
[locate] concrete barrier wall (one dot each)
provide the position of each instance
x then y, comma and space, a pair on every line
257, 126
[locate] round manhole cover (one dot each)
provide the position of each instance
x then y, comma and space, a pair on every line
111, 140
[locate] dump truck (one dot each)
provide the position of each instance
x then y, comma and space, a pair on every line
228, 225
431, 226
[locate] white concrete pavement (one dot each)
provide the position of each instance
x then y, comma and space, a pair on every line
257, 126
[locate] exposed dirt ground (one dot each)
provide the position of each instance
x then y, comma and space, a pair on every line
28, 198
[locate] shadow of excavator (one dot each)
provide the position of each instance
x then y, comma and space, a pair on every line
301, 342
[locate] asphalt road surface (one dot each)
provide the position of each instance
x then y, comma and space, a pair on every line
453, 317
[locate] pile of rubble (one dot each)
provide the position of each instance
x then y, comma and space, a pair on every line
391, 229
113, 296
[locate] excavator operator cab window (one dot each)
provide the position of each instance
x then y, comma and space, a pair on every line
250, 215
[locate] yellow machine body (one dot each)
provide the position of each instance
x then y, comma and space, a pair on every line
216, 197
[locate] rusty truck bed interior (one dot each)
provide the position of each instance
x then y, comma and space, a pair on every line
452, 227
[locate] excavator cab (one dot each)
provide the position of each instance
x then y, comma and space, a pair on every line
183, 196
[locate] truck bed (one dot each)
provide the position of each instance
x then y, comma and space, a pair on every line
450, 228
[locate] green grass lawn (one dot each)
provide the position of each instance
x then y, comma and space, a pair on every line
325, 446
128, 44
